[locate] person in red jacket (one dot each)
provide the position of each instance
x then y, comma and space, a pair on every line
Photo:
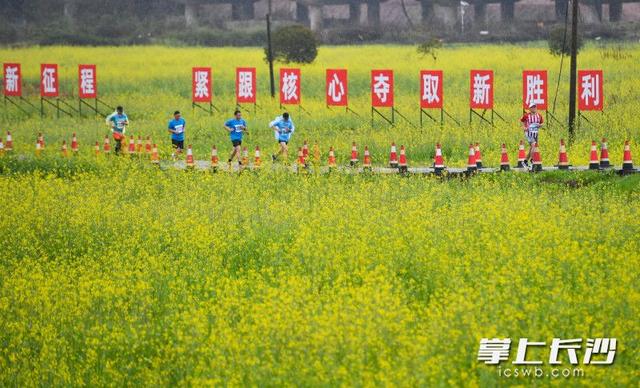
531, 123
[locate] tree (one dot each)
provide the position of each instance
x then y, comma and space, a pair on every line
294, 44
559, 44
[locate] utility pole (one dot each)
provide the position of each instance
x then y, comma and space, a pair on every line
573, 70
270, 52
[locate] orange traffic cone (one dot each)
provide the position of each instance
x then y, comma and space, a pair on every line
438, 162
132, 146
96, 148
478, 156
41, 141
537, 159
594, 163
245, 157
38, 147
563, 160
366, 164
155, 159
354, 154
106, 146
1, 147
604, 154
393, 156
148, 146
627, 163
332, 158
214, 159
522, 155
256, 160
504, 158
9, 146
471, 161
190, 162
74, 143
139, 145
63, 149
316, 154
305, 150
301, 161
402, 163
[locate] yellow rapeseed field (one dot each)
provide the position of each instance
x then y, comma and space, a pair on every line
114, 272
152, 82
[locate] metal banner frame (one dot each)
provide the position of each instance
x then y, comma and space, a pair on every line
209, 108
392, 119
95, 107
489, 120
443, 113
10, 100
56, 105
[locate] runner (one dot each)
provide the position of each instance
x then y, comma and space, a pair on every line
531, 123
283, 128
176, 128
236, 127
118, 122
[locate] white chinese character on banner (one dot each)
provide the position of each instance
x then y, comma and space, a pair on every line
381, 87
289, 86
569, 344
11, 79
430, 88
87, 81
492, 351
600, 346
534, 90
481, 89
522, 352
591, 89
336, 89
245, 84
202, 84
48, 80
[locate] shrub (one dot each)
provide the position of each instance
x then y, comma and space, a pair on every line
430, 47
557, 45
294, 44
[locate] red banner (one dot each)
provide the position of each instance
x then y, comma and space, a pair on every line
290, 86
481, 89
246, 85
590, 83
12, 80
201, 84
431, 89
337, 87
87, 81
534, 89
49, 80
382, 88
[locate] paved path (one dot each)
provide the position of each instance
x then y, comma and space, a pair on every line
223, 167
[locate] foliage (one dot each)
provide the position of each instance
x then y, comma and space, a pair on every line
295, 44
558, 44
151, 93
135, 275
114, 272
430, 47
352, 35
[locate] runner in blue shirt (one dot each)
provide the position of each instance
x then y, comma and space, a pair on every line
119, 122
176, 128
283, 128
236, 127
